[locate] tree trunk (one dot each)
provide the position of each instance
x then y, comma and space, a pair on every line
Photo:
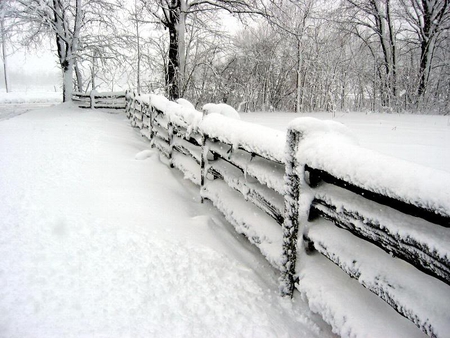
298, 103
173, 66
181, 29
4, 57
138, 43
79, 77
67, 81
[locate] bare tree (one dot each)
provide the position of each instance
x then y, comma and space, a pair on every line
428, 20
64, 21
173, 15
374, 18
61, 18
4, 13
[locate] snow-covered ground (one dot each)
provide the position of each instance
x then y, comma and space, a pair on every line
423, 139
30, 97
100, 239
17, 103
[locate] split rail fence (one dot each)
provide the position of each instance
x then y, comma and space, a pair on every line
94, 99
363, 237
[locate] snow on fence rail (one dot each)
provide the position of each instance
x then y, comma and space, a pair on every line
314, 198
93, 99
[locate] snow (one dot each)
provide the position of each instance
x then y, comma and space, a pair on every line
264, 141
222, 109
16, 103
30, 97
185, 103
421, 139
377, 271
100, 239
180, 114
332, 293
405, 229
333, 147
329, 146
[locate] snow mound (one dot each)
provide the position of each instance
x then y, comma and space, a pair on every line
261, 140
144, 154
185, 103
222, 109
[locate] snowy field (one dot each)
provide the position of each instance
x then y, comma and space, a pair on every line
100, 239
423, 139
17, 103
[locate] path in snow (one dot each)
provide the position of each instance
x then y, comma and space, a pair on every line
100, 239
8, 111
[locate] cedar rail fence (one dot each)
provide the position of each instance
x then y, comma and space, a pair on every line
331, 216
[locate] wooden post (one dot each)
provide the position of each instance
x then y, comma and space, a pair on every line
290, 224
133, 116
152, 130
203, 164
92, 98
170, 130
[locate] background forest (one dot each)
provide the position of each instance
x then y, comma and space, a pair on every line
307, 55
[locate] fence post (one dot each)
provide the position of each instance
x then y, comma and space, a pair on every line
170, 127
128, 102
133, 116
203, 164
291, 206
152, 128
92, 98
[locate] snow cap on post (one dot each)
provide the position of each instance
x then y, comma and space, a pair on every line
222, 109
92, 98
185, 103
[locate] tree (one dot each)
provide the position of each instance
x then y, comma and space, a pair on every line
4, 12
63, 19
292, 20
428, 19
173, 15
374, 19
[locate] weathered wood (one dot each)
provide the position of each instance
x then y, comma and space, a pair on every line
243, 160
151, 114
94, 100
183, 150
316, 176
390, 279
248, 150
249, 191
411, 250
170, 130
203, 164
290, 225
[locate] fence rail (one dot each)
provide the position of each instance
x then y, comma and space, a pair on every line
348, 228
94, 99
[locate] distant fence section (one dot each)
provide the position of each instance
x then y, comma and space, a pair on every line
94, 99
363, 237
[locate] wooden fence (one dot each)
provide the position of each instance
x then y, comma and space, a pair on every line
331, 216
93, 99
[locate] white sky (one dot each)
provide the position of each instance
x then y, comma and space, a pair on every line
43, 61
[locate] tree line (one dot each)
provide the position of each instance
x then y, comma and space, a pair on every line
292, 55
